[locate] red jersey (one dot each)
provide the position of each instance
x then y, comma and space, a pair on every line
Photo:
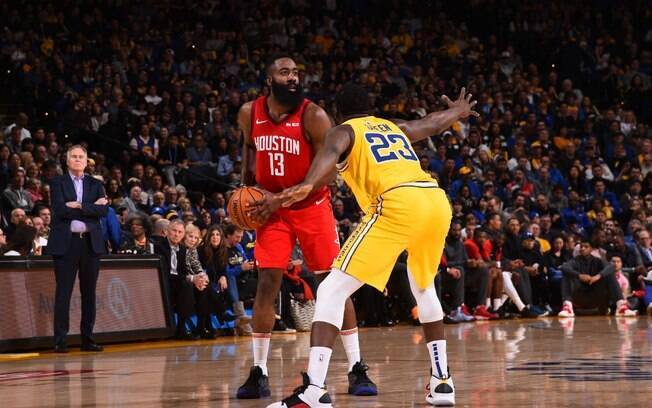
283, 154
475, 252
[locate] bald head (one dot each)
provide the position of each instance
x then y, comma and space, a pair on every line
161, 227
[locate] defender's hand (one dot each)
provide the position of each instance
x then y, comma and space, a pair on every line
463, 104
294, 194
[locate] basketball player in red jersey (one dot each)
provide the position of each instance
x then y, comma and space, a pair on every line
282, 134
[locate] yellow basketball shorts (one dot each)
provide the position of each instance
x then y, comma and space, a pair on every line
413, 217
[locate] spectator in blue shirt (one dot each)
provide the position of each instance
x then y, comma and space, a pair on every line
226, 163
467, 174
237, 262
111, 231
199, 154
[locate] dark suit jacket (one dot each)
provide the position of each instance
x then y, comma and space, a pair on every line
644, 258
163, 249
62, 191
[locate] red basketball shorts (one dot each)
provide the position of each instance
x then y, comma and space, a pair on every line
315, 228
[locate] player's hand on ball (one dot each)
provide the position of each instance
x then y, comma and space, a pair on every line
463, 104
294, 194
264, 207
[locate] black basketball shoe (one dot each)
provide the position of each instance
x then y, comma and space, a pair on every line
256, 386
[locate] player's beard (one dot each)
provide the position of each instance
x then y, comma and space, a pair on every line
287, 98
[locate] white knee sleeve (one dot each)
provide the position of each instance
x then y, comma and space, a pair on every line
427, 301
331, 297
510, 290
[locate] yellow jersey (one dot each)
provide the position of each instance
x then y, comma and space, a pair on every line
381, 158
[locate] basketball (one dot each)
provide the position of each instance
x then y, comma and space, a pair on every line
237, 207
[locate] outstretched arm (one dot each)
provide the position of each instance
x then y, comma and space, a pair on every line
436, 122
338, 142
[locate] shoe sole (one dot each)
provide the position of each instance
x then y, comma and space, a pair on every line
363, 392
441, 400
264, 394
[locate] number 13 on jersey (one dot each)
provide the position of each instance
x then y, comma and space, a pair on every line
385, 147
276, 164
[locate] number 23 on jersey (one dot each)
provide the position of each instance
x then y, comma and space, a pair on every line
390, 147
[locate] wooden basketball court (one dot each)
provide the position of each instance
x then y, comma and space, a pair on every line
591, 361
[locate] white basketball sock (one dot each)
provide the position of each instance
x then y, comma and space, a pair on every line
261, 347
497, 303
438, 359
351, 346
320, 358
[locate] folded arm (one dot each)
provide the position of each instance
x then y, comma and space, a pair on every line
97, 209
571, 268
59, 207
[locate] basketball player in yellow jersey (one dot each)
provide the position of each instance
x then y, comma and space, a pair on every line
405, 210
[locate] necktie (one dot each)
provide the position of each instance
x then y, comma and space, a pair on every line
173, 260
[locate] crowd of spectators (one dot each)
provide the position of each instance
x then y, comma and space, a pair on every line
560, 157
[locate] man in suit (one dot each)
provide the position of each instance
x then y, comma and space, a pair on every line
181, 282
644, 247
76, 243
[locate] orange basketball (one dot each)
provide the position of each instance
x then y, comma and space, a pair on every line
237, 207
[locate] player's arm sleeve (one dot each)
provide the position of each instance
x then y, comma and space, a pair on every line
248, 174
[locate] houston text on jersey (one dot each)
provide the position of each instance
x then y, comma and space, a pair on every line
276, 143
